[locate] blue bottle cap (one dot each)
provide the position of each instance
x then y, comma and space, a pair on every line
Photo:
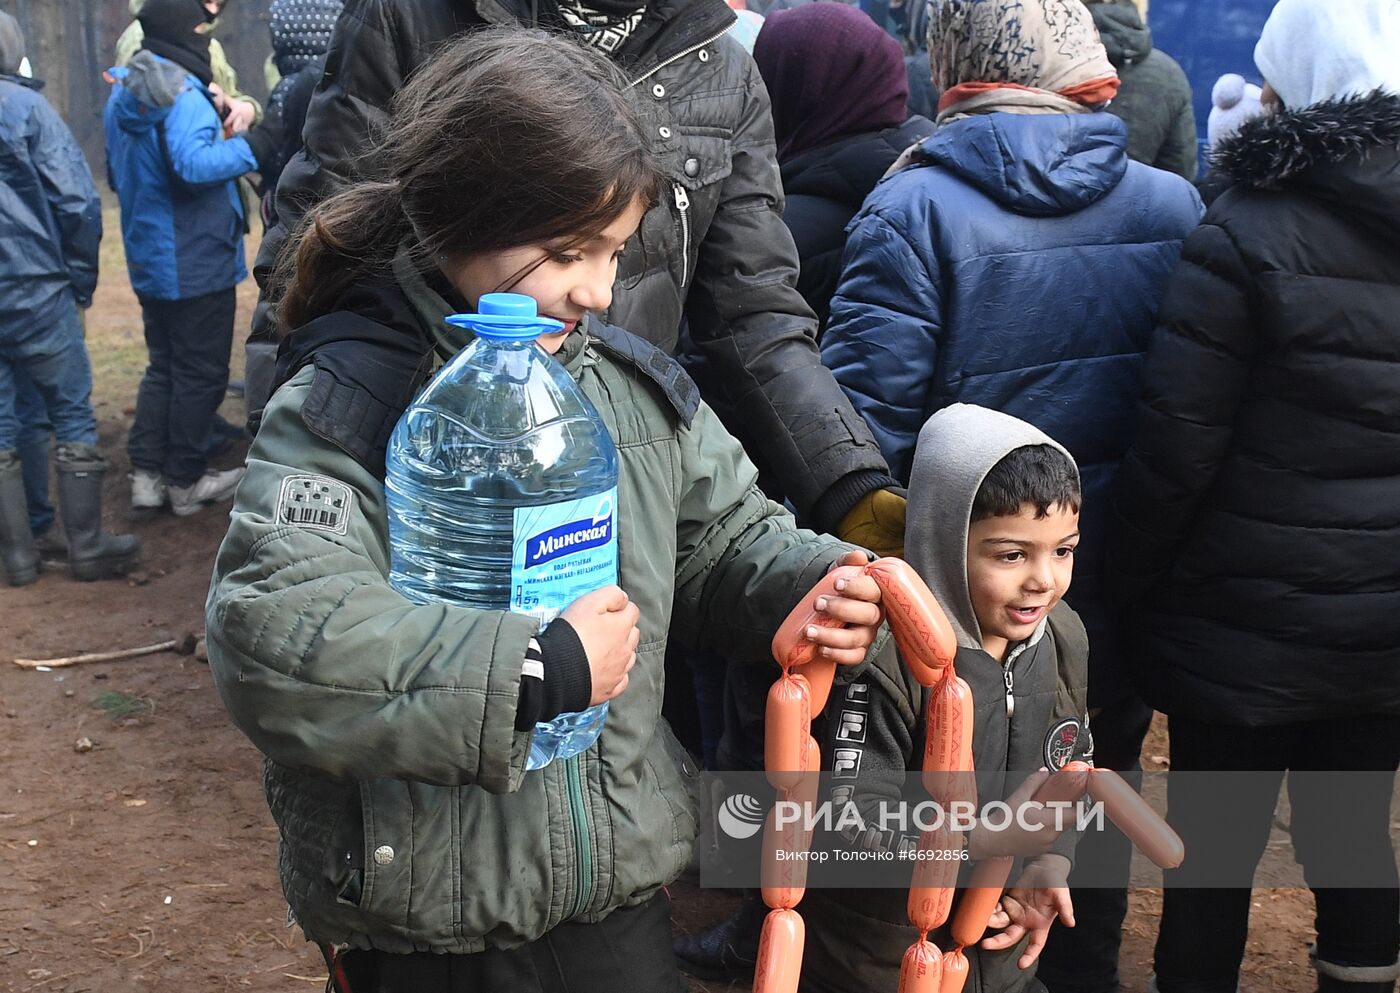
506, 317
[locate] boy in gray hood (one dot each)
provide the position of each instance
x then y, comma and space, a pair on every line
993, 523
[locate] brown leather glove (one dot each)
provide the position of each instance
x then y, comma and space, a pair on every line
876, 523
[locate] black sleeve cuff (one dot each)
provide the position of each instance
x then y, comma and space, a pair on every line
568, 681
833, 506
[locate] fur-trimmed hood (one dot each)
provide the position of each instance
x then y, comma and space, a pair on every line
1345, 152
1269, 151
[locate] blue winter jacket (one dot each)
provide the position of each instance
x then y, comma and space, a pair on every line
50, 217
1018, 267
175, 174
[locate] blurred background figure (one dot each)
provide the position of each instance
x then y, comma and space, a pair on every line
301, 33
746, 28
840, 97
1154, 98
50, 227
243, 111
183, 222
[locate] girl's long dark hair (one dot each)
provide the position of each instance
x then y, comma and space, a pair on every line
506, 137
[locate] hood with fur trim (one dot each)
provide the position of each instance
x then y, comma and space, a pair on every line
1345, 152
1270, 150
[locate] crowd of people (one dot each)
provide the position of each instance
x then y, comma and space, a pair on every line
938, 279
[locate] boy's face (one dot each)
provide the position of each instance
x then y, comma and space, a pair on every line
1018, 568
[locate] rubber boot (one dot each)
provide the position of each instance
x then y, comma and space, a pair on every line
92, 553
1334, 977
17, 551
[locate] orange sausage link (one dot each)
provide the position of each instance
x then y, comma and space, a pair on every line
948, 741
805, 792
931, 891
1067, 785
787, 726
779, 965
1144, 828
954, 972
790, 644
984, 888
820, 674
922, 969
783, 878
921, 629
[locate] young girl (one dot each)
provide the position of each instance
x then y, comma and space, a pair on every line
413, 840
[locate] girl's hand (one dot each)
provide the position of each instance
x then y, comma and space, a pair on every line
856, 605
606, 622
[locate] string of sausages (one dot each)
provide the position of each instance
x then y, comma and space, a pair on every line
792, 761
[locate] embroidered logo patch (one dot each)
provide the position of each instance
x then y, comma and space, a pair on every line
315, 503
1059, 744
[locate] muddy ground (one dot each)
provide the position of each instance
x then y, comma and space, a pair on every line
147, 862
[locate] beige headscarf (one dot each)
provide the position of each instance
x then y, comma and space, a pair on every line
1017, 56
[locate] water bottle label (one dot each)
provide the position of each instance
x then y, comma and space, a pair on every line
562, 551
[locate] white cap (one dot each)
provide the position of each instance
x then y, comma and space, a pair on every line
1233, 101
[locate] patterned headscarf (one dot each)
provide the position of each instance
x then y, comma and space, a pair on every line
1017, 56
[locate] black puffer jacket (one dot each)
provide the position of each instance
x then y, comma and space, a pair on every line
1259, 508
825, 187
1154, 100
715, 249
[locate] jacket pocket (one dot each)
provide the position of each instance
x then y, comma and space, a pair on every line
696, 165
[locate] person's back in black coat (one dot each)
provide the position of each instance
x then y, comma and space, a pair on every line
840, 96
825, 187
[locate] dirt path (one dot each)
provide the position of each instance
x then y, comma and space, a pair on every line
147, 863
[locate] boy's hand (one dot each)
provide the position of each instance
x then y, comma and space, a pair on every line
1019, 838
606, 622
241, 114
1031, 907
856, 605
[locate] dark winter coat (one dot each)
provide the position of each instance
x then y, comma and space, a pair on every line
825, 187
1155, 97
1018, 267
714, 249
50, 217
1259, 516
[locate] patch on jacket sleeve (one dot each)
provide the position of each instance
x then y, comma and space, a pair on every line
315, 503
1060, 742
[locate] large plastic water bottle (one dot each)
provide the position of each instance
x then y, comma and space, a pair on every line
502, 489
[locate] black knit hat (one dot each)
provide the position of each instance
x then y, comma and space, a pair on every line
169, 31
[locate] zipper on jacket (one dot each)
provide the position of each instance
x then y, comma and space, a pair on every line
1009, 678
679, 55
683, 206
578, 822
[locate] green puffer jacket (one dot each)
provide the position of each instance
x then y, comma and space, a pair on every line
394, 771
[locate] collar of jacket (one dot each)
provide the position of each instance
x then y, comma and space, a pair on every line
1271, 149
25, 81
669, 29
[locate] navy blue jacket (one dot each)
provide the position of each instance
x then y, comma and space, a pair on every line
182, 217
50, 217
1018, 266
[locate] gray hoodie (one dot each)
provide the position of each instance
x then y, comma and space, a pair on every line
1046, 675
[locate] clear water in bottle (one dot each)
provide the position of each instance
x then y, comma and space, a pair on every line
502, 489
